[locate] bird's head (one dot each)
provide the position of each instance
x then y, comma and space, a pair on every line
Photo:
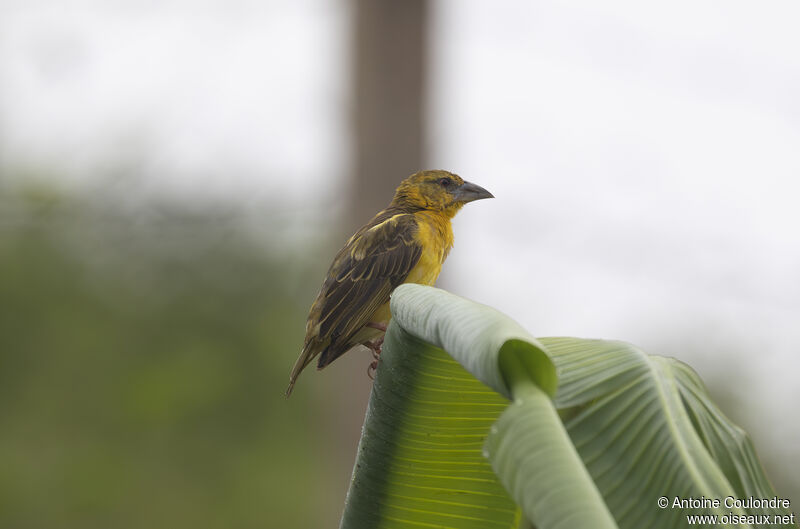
439, 191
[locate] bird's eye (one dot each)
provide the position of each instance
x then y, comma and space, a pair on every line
444, 182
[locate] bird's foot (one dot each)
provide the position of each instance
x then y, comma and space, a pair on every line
371, 368
375, 346
377, 325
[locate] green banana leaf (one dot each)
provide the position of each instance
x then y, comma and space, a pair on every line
505, 431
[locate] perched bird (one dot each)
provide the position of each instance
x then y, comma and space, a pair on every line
405, 243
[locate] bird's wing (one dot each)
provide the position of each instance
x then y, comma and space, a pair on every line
362, 276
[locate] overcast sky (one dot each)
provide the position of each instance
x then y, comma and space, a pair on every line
645, 157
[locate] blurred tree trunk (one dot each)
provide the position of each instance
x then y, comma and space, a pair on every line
389, 82
388, 89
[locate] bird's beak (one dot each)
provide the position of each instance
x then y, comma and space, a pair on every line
467, 192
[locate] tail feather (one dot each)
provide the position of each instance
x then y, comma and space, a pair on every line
305, 358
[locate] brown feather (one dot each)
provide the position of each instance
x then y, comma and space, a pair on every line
363, 274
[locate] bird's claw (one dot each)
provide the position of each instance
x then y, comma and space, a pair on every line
372, 368
375, 346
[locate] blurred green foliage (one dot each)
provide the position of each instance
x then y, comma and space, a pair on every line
143, 358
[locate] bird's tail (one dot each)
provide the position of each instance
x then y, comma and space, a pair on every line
291, 387
305, 358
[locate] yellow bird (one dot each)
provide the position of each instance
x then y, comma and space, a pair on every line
405, 243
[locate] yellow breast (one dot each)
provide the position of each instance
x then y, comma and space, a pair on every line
436, 237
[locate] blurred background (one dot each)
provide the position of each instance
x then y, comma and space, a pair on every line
176, 176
